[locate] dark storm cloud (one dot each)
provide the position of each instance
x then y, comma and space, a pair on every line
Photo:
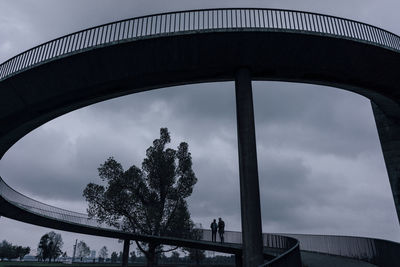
311, 116
125, 127
322, 119
60, 154
44, 164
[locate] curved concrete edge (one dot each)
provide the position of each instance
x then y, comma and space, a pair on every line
12, 211
33, 97
389, 135
314, 259
333, 27
372, 250
17, 206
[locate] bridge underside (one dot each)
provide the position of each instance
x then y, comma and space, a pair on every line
35, 96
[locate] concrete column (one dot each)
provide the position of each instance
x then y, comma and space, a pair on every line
249, 187
389, 135
125, 253
238, 260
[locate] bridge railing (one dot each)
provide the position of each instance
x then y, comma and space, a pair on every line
373, 250
46, 210
291, 252
42, 209
193, 21
280, 243
376, 251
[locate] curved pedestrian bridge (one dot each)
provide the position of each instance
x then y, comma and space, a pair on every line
162, 50
198, 21
19, 207
277, 247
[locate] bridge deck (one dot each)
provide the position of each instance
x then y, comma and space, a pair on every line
48, 216
312, 259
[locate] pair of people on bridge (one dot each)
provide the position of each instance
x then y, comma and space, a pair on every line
221, 230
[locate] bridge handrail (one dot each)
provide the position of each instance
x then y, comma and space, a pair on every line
203, 20
376, 251
289, 258
54, 213
43, 209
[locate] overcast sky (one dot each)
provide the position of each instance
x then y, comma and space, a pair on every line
320, 163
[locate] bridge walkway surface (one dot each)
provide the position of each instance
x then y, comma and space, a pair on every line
313, 259
17, 206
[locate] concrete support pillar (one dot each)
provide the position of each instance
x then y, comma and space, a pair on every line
125, 253
389, 135
249, 186
238, 260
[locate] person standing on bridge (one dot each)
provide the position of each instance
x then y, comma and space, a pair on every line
221, 229
214, 228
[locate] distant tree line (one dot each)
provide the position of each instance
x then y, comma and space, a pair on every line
193, 258
9, 251
50, 244
103, 254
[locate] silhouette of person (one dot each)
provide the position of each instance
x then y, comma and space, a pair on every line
221, 229
214, 228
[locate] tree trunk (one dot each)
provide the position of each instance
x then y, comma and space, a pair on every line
151, 255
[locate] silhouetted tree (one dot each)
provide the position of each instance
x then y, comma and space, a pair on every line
83, 250
175, 256
5, 250
132, 256
114, 257
196, 255
150, 200
20, 251
50, 246
103, 254
8, 251
42, 251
